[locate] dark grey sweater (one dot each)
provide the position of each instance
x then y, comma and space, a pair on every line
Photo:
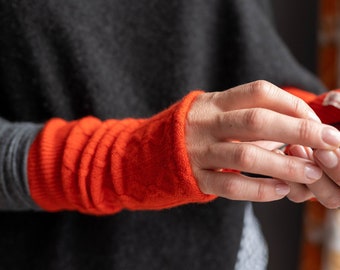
115, 59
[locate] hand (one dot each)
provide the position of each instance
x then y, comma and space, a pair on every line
326, 190
222, 125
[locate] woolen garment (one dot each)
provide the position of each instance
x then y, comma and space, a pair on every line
117, 59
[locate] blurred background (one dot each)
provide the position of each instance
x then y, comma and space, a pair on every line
297, 233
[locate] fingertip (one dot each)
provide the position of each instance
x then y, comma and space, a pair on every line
282, 189
327, 158
312, 173
331, 136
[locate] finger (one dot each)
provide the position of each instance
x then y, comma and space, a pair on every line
327, 192
239, 187
300, 151
299, 193
329, 162
263, 94
254, 159
263, 124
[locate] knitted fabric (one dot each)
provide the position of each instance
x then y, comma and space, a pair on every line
103, 167
15, 139
125, 58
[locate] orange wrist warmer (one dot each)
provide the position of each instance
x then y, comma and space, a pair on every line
103, 167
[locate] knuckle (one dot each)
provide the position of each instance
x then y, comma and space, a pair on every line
214, 97
244, 157
232, 189
305, 130
209, 98
291, 168
211, 150
297, 105
254, 119
261, 193
260, 88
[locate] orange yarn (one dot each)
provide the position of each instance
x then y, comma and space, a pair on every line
103, 167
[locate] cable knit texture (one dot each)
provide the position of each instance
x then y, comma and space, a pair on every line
103, 167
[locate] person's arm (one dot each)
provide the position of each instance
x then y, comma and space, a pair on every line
186, 154
178, 156
101, 167
15, 141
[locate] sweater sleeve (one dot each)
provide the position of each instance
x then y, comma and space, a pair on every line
101, 168
15, 140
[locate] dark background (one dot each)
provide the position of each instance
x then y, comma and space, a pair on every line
281, 221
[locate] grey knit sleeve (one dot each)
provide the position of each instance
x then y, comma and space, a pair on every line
15, 140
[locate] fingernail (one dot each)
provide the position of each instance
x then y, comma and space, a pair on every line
282, 189
312, 172
328, 158
313, 116
331, 136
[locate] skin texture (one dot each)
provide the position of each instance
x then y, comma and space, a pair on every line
326, 190
229, 130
